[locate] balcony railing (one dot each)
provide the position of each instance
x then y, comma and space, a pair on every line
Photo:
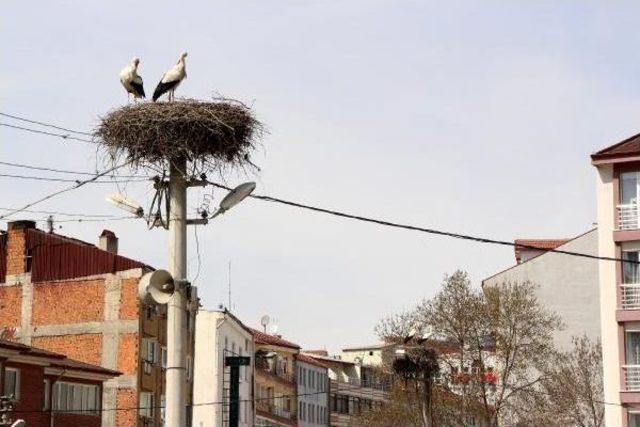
631, 377
277, 373
267, 406
630, 298
628, 217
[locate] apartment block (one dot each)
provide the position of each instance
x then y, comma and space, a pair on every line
567, 285
49, 389
72, 297
618, 195
312, 391
275, 365
220, 334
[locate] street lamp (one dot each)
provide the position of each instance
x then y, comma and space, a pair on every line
234, 197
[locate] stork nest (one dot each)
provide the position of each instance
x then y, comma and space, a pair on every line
212, 136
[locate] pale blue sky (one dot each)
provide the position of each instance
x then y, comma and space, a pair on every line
474, 117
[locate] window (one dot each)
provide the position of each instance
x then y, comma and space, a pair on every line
630, 270
147, 404
149, 311
632, 346
150, 356
629, 188
163, 404
75, 397
634, 419
163, 352
46, 394
189, 368
11, 383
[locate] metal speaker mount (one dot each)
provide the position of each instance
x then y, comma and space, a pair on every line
157, 286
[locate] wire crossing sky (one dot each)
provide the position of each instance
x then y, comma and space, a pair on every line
477, 118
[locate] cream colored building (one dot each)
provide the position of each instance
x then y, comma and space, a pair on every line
618, 195
220, 334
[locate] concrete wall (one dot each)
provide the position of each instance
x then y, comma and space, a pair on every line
608, 301
217, 335
568, 285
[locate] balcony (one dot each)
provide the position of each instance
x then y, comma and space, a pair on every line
630, 297
628, 217
277, 374
268, 407
631, 377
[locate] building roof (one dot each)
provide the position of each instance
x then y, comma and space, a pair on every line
317, 352
56, 257
327, 359
276, 340
537, 244
629, 147
535, 257
56, 359
378, 346
301, 357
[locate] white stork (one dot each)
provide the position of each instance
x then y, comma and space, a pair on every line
131, 81
171, 79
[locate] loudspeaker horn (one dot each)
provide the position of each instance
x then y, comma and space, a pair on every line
157, 285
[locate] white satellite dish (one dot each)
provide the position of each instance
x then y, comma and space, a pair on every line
19, 423
125, 203
264, 321
157, 286
235, 196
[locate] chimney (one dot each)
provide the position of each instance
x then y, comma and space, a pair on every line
108, 242
17, 246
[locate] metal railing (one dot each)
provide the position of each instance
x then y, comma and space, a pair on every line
628, 216
630, 297
267, 406
285, 376
631, 377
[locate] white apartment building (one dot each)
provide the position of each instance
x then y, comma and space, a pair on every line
567, 285
618, 195
220, 334
312, 391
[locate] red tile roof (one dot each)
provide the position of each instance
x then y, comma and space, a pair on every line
56, 359
540, 244
627, 148
268, 339
310, 360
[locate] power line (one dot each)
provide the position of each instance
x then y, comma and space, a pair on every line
42, 178
63, 213
67, 189
36, 122
43, 132
66, 171
421, 229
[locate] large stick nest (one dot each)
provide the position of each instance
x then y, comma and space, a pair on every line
212, 136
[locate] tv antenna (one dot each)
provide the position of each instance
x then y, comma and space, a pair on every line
264, 321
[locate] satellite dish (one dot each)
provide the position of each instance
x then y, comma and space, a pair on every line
235, 196
157, 286
19, 423
264, 321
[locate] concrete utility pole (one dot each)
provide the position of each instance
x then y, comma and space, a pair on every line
176, 376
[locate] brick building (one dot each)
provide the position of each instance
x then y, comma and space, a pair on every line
50, 389
79, 299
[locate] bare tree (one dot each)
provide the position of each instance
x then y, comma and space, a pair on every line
491, 345
572, 392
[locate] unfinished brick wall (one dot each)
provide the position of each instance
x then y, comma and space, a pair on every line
126, 399
16, 243
128, 353
10, 306
84, 347
56, 303
129, 302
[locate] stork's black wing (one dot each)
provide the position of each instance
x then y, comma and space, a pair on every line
164, 87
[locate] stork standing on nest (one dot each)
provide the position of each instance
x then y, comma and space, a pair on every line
171, 79
131, 81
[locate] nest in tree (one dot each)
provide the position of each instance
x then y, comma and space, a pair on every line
211, 135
